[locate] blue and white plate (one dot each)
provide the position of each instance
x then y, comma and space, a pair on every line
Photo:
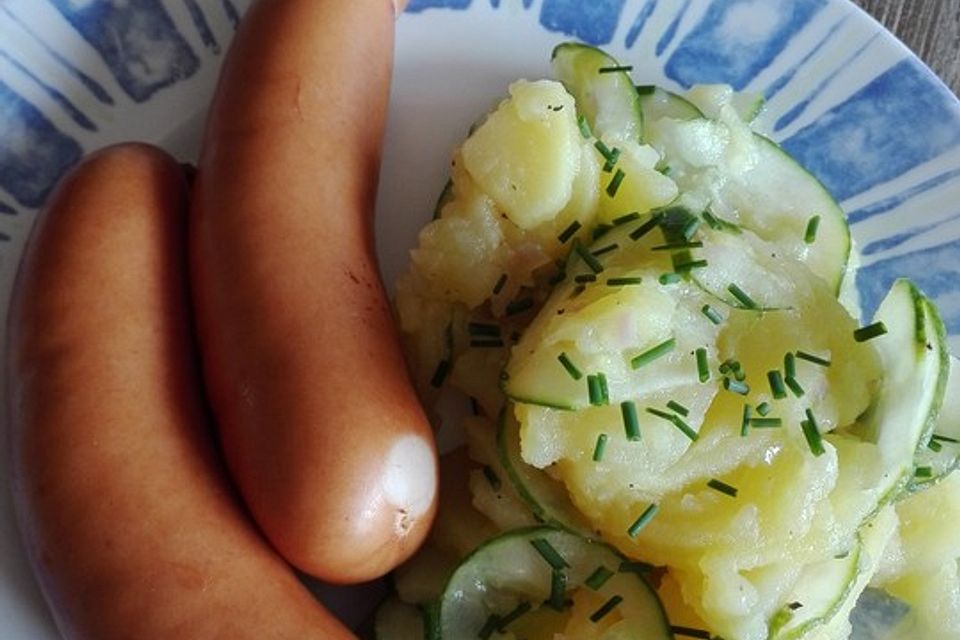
850, 102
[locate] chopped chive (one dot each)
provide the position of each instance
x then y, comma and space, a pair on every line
548, 553
812, 433
712, 314
483, 329
558, 277
511, 617
676, 407
923, 472
653, 353
606, 151
611, 162
594, 391
676, 246
789, 365
870, 331
677, 421
486, 343
569, 366
493, 621
558, 589
669, 278
691, 227
647, 226
793, 606
474, 406
810, 235
621, 67
577, 290
645, 89
600, 230
634, 530
945, 439
690, 632
492, 477
440, 373
600, 447
688, 265
741, 296
776, 385
624, 281
794, 386
631, 424
588, 258
607, 249
703, 367
935, 446
745, 420
584, 126
809, 357
598, 578
635, 566
497, 288
569, 231
722, 487
719, 224
625, 218
606, 608
585, 277
604, 391
518, 306
764, 408
766, 423
614, 185
736, 386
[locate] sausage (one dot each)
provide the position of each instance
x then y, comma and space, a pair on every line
318, 420
129, 522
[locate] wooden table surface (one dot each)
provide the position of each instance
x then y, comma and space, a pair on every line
930, 27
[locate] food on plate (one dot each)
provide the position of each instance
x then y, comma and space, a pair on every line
320, 425
676, 425
129, 522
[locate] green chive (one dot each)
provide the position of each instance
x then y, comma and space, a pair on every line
923, 472
945, 439
794, 386
766, 423
493, 621
676, 407
598, 578
588, 258
584, 126
789, 365
486, 343
634, 530
483, 329
521, 609
623, 67
625, 218
569, 366
492, 478
607, 607
515, 307
585, 277
558, 588
736, 386
722, 487
647, 226
719, 224
703, 367
620, 282
669, 278
690, 228
870, 331
600, 447
745, 421
577, 290
548, 553
595, 390
607, 249
690, 632
934, 446
601, 230
763, 408
569, 232
809, 357
611, 162
810, 235
440, 373
558, 277
776, 385
676, 246
497, 288
614, 185
645, 89
635, 566
812, 433
688, 265
712, 314
653, 353
604, 391
631, 424
741, 296
605, 151
677, 421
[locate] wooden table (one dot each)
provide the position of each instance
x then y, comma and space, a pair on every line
930, 27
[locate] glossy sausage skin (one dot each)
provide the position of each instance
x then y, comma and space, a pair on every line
319, 422
131, 527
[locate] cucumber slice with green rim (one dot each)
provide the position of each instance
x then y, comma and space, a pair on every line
916, 362
940, 456
548, 498
604, 93
510, 585
659, 103
396, 620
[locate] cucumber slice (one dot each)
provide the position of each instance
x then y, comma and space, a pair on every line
507, 586
607, 99
916, 361
396, 620
941, 454
548, 498
659, 103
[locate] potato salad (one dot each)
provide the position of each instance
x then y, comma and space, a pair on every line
676, 423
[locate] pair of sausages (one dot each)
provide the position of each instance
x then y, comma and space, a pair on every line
264, 278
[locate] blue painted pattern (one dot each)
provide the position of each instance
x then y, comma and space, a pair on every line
416, 6
892, 242
722, 49
203, 27
594, 22
138, 41
57, 96
6, 209
640, 22
34, 153
671, 31
888, 204
872, 137
777, 85
232, 14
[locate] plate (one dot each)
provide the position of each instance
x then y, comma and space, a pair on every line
848, 100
